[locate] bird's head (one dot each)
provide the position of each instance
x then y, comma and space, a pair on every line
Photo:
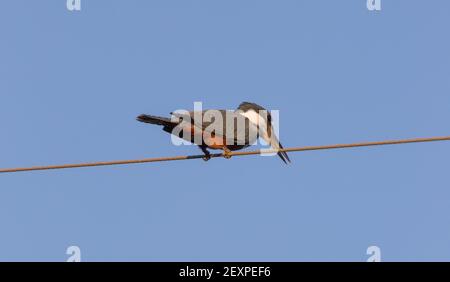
262, 119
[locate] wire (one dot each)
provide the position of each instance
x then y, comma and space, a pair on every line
244, 153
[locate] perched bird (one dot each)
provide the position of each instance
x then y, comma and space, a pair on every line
203, 128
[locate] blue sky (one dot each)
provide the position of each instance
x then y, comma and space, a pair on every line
72, 83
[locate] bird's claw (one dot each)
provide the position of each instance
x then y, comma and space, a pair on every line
206, 158
227, 154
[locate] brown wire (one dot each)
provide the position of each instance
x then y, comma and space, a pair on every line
243, 153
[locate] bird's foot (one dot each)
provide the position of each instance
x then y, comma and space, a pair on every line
226, 153
206, 157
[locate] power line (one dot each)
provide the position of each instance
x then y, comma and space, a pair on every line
243, 153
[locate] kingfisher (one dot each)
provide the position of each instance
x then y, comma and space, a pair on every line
221, 129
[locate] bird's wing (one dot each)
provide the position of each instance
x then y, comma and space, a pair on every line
243, 133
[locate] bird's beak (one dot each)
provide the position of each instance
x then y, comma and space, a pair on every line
272, 139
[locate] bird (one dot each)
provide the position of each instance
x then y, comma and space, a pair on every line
239, 128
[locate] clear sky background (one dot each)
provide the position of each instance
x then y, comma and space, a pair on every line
72, 83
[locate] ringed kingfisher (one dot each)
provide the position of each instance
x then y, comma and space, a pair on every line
257, 120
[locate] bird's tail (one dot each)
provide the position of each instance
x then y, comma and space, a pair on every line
155, 120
